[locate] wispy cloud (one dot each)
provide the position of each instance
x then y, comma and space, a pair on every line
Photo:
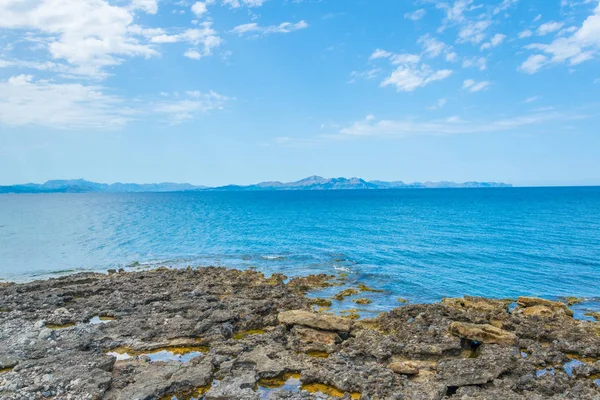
533, 63
409, 74
254, 29
26, 101
531, 99
190, 106
475, 62
433, 47
416, 15
367, 75
370, 126
473, 86
582, 45
449, 126
438, 104
495, 41
549, 27
525, 34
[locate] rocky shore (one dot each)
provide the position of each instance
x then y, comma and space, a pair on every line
214, 333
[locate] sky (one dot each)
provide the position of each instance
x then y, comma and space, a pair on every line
215, 92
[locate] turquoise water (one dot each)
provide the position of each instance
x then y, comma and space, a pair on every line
419, 244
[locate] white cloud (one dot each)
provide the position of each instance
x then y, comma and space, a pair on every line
409, 74
25, 101
407, 78
473, 86
243, 3
204, 36
549, 27
380, 54
475, 62
496, 40
438, 104
417, 15
149, 6
450, 126
434, 48
582, 45
525, 34
474, 31
90, 35
254, 28
194, 104
455, 12
531, 99
367, 75
405, 58
533, 63
193, 54
505, 5
199, 8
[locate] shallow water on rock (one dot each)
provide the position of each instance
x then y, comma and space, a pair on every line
181, 354
291, 382
545, 371
100, 320
59, 327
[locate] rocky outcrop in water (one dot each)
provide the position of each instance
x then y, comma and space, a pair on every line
213, 333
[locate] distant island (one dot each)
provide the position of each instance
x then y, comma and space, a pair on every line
310, 183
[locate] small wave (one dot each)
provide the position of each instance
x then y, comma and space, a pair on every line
273, 257
343, 269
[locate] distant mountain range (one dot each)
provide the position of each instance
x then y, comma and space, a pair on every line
310, 183
83, 186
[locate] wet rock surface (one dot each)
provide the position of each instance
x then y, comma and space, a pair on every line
214, 333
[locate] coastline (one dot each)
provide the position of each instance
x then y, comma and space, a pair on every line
217, 333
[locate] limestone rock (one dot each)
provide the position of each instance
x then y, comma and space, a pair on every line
404, 367
477, 303
316, 321
482, 333
556, 306
309, 335
265, 366
493, 362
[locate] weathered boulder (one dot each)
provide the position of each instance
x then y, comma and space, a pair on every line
493, 362
153, 380
234, 387
309, 335
557, 308
477, 303
404, 367
482, 333
318, 321
265, 366
542, 312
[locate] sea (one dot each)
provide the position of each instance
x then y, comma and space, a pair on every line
420, 245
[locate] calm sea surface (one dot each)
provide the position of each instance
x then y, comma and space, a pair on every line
418, 244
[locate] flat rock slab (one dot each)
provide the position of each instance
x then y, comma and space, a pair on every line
493, 362
482, 333
317, 321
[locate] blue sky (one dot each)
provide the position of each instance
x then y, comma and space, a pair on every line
239, 91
